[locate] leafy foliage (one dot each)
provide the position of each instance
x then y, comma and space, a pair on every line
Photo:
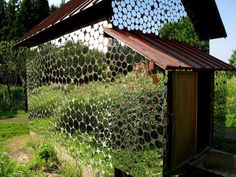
12, 72
8, 66
12, 102
9, 31
17, 17
232, 59
184, 31
231, 103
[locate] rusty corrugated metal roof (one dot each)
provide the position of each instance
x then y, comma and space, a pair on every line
204, 14
66, 11
168, 54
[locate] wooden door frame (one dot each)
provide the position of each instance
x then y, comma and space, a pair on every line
171, 87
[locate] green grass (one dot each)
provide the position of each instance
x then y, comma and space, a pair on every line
8, 130
231, 103
14, 114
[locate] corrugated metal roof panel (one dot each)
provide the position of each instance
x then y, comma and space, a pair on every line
206, 20
67, 10
168, 54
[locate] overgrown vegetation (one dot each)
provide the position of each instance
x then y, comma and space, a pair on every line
231, 103
9, 168
44, 162
11, 102
75, 128
232, 59
45, 159
184, 31
13, 95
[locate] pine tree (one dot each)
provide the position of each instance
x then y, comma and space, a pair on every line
30, 14
41, 10
25, 17
53, 8
2, 15
9, 31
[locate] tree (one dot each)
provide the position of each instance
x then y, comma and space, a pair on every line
10, 28
232, 59
2, 12
184, 31
53, 8
30, 14
41, 10
25, 17
8, 67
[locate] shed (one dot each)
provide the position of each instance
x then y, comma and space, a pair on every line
190, 90
167, 121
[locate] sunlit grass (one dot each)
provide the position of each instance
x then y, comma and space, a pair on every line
8, 130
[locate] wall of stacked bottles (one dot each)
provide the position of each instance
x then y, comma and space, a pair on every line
96, 97
147, 16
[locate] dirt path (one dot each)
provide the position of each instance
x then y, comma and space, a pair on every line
18, 148
18, 120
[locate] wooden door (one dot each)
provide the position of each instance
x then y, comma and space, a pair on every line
184, 120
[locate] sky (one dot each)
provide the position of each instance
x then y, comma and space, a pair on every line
55, 2
220, 48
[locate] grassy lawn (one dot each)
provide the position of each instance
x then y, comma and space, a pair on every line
9, 130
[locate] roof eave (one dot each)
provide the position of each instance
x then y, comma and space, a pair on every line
208, 24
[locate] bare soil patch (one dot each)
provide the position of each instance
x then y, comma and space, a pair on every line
13, 120
19, 150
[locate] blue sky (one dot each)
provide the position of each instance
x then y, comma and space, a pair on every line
221, 48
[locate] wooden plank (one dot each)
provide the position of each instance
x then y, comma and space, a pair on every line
184, 117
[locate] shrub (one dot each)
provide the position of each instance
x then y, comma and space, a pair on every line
13, 102
9, 168
45, 159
